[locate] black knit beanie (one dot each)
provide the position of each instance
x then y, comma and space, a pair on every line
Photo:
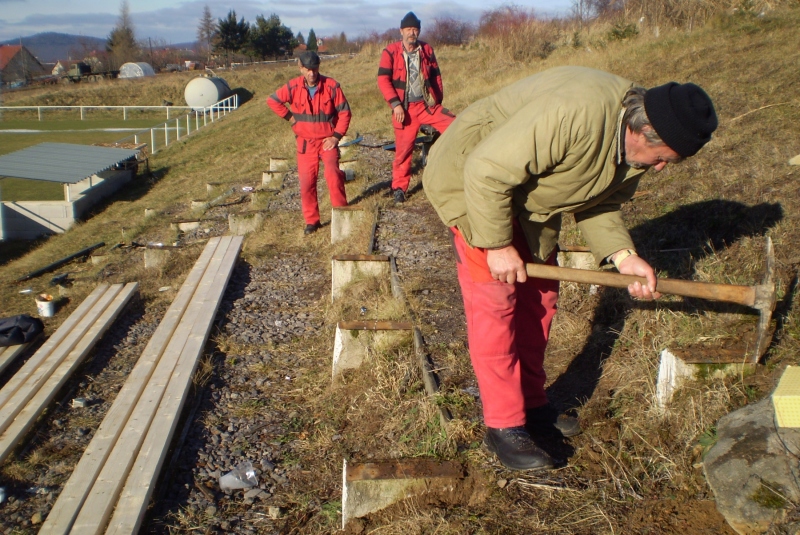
682, 115
410, 21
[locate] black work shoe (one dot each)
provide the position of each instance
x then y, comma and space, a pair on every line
546, 419
311, 228
399, 196
516, 450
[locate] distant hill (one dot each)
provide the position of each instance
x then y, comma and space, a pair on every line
51, 46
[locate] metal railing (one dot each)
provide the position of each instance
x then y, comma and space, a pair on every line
159, 136
83, 109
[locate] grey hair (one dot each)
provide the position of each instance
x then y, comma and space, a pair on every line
635, 116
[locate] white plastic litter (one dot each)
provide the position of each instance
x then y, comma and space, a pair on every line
241, 477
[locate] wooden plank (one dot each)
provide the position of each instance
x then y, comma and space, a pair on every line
100, 501
139, 487
10, 353
51, 344
41, 400
36, 378
60, 518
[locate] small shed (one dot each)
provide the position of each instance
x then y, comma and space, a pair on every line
86, 174
136, 70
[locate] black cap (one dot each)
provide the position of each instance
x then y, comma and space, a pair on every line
410, 21
309, 59
682, 115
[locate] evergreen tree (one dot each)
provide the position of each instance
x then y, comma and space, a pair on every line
121, 42
269, 37
231, 36
206, 30
311, 42
300, 39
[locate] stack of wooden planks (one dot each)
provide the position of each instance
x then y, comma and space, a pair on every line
28, 393
119, 469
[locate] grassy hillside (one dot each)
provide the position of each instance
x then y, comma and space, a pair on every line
703, 219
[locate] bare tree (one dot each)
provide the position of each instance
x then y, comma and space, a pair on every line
449, 31
121, 42
205, 31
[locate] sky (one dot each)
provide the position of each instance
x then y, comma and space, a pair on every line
176, 21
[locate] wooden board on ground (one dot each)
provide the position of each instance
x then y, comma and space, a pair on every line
33, 387
129, 447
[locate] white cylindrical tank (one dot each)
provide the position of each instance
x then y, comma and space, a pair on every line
205, 91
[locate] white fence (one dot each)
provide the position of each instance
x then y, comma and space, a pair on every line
83, 109
173, 130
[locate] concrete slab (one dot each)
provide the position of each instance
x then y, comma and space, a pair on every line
347, 268
245, 222
272, 179
370, 487
672, 372
278, 164
355, 340
344, 220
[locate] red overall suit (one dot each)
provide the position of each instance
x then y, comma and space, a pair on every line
325, 115
392, 77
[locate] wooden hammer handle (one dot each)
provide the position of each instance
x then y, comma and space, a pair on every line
730, 293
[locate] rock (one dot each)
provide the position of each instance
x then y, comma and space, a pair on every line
36, 519
274, 512
753, 469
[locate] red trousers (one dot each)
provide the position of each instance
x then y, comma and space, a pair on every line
405, 134
309, 153
507, 328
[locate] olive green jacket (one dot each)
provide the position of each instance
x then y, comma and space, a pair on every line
547, 144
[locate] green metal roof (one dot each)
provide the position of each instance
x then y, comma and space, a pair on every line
61, 162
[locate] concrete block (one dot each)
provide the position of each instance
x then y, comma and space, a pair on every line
795, 160
99, 259
149, 212
786, 398
355, 340
344, 165
349, 175
155, 258
245, 222
370, 487
344, 220
346, 151
212, 187
672, 371
199, 205
346, 268
185, 226
278, 164
272, 179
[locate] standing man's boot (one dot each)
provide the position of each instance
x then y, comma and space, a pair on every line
516, 450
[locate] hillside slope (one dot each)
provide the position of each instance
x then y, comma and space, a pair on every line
635, 469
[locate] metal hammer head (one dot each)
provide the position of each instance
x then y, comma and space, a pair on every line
765, 303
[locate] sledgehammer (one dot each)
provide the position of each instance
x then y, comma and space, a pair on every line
761, 296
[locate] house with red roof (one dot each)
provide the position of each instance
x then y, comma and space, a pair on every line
17, 64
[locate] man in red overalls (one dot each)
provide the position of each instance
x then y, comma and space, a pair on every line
319, 114
409, 78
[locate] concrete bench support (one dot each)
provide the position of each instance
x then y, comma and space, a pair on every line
245, 222
118, 471
346, 268
355, 339
29, 392
677, 366
272, 179
370, 487
278, 164
185, 225
344, 220
155, 258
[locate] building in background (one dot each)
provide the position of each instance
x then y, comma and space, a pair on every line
17, 65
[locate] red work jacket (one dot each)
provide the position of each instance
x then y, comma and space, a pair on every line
392, 73
325, 115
